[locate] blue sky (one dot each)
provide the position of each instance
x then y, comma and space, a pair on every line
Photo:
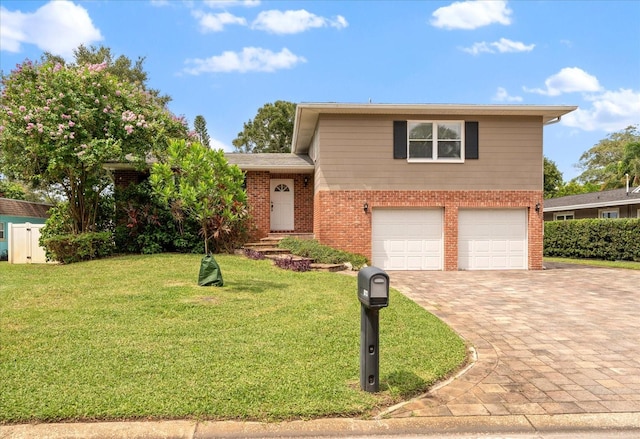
225, 59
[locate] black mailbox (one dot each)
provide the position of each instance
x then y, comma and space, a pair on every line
373, 287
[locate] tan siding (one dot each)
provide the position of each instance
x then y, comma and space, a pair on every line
357, 153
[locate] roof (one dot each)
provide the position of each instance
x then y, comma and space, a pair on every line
278, 162
616, 197
307, 114
21, 208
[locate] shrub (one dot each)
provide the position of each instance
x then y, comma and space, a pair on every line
253, 254
609, 240
322, 254
143, 225
290, 263
82, 247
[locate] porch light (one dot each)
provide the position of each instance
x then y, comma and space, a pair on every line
537, 207
306, 181
366, 207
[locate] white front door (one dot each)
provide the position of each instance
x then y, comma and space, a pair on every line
282, 205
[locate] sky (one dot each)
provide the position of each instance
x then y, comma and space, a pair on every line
226, 59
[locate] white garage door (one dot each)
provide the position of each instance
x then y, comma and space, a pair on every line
492, 239
407, 239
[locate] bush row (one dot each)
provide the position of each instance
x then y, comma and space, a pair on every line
82, 247
610, 240
321, 254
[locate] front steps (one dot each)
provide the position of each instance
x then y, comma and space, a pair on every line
269, 248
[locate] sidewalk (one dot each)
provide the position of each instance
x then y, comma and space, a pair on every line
427, 426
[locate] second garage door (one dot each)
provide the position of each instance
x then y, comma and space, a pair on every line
407, 239
492, 239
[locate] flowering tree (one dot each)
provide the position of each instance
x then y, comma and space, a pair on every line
60, 124
197, 182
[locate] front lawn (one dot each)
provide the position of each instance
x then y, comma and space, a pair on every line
630, 265
135, 337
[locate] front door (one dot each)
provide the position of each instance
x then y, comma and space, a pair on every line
282, 205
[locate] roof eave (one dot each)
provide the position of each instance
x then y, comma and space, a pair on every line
593, 205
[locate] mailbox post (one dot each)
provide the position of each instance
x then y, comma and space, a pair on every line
373, 293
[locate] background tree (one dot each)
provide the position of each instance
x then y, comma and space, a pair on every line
573, 187
61, 124
270, 131
627, 167
200, 127
198, 183
600, 163
552, 178
10, 189
122, 67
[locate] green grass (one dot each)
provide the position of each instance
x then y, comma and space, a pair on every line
135, 337
597, 263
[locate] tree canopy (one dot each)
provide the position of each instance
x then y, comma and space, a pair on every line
607, 162
270, 131
60, 124
197, 182
200, 128
552, 178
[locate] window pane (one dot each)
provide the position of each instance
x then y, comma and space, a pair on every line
420, 131
449, 131
448, 150
420, 150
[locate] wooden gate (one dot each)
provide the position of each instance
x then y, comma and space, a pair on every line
23, 244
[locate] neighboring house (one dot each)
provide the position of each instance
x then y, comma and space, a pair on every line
617, 203
18, 212
410, 186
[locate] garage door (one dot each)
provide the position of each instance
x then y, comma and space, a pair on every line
407, 239
491, 239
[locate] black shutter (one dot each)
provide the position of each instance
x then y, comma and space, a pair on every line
399, 139
471, 140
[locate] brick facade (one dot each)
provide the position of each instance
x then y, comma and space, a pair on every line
340, 220
258, 199
124, 177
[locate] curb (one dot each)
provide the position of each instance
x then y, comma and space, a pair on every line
185, 429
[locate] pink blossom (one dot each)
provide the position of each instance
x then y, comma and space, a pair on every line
27, 118
57, 67
61, 95
72, 135
66, 116
128, 129
118, 93
71, 123
1, 128
22, 108
128, 116
45, 108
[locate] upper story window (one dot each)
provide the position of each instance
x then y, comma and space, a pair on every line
435, 140
609, 213
2, 238
430, 141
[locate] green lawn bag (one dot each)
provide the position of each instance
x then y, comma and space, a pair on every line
210, 274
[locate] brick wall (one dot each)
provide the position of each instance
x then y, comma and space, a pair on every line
124, 177
258, 198
340, 220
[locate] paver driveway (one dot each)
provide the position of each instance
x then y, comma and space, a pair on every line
563, 340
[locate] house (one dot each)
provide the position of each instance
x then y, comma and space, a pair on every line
617, 203
18, 212
410, 186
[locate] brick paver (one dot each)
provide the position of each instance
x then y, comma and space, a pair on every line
560, 341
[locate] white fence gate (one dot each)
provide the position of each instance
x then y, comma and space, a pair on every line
23, 244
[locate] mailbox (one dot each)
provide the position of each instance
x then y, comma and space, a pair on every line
373, 287
373, 293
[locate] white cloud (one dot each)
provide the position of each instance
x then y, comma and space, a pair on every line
503, 96
251, 59
568, 80
609, 111
219, 144
471, 14
501, 46
57, 27
159, 3
231, 3
293, 22
217, 22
